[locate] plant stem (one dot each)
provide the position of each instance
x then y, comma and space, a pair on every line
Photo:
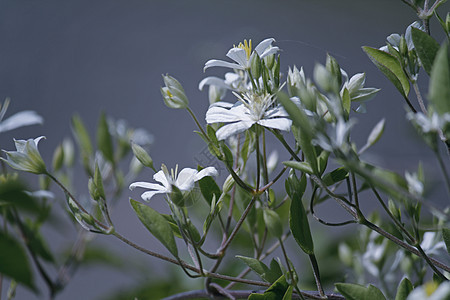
285, 144
238, 225
288, 265
66, 191
196, 122
402, 243
419, 97
444, 170
316, 273
258, 163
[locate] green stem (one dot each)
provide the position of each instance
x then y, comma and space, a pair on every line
196, 122
285, 144
258, 163
444, 170
293, 281
238, 225
402, 244
419, 96
315, 266
66, 191
266, 171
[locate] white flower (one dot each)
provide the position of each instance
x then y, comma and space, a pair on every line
431, 291
184, 181
27, 157
20, 119
356, 89
252, 109
242, 55
433, 123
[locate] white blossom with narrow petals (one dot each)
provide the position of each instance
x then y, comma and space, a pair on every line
252, 109
184, 181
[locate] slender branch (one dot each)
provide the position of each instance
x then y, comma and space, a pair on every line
285, 144
444, 170
311, 209
258, 163
419, 97
316, 273
402, 244
410, 5
244, 294
66, 191
238, 225
196, 122
288, 265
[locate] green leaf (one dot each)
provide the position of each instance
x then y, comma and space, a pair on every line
14, 261
273, 223
300, 119
446, 236
405, 287
426, 48
156, 224
335, 176
288, 294
275, 292
357, 292
13, 192
209, 189
301, 166
390, 67
440, 81
259, 268
36, 242
82, 135
299, 225
104, 139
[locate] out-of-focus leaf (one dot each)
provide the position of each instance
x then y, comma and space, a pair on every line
156, 224
273, 223
14, 261
299, 165
37, 243
335, 176
390, 67
300, 119
446, 236
440, 81
405, 287
104, 139
357, 292
13, 192
426, 48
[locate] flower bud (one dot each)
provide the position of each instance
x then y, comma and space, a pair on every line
142, 155
173, 93
228, 184
255, 65
403, 47
58, 158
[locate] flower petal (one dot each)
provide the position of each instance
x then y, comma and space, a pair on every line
219, 113
263, 45
277, 123
148, 195
221, 63
162, 178
209, 171
233, 128
147, 185
240, 56
213, 81
185, 179
20, 119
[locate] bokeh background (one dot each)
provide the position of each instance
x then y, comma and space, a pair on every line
64, 57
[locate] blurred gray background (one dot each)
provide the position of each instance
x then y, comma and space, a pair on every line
64, 57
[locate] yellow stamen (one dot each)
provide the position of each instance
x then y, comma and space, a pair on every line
247, 46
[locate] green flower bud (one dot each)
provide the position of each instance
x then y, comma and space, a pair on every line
269, 61
58, 158
255, 65
403, 47
142, 155
173, 93
334, 68
325, 79
228, 184
27, 157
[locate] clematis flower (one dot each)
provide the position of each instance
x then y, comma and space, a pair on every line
242, 55
183, 181
27, 157
20, 119
252, 109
